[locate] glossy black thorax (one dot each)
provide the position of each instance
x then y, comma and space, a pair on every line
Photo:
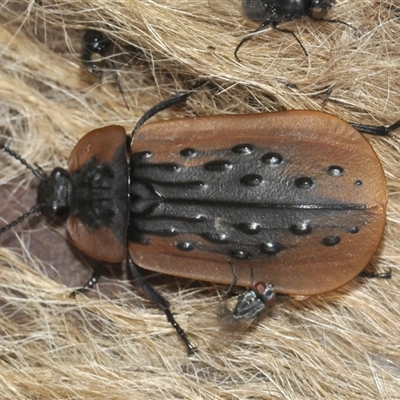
282, 10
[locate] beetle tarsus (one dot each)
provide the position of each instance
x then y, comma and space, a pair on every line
191, 348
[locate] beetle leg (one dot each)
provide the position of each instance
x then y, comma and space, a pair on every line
381, 275
96, 275
376, 130
161, 302
262, 26
283, 30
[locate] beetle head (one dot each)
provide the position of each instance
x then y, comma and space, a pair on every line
52, 192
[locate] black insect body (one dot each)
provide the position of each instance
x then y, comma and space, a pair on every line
247, 306
285, 10
274, 12
96, 48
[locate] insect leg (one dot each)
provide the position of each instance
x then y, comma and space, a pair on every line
98, 271
262, 26
228, 291
283, 30
376, 130
116, 75
381, 275
161, 302
338, 21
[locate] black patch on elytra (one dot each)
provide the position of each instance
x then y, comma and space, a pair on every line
252, 212
188, 152
250, 228
243, 149
331, 240
240, 254
353, 229
272, 158
271, 248
185, 246
251, 180
335, 171
301, 228
218, 165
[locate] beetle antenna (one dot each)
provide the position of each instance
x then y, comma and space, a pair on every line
33, 210
38, 171
177, 98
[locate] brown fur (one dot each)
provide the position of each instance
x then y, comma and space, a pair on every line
114, 343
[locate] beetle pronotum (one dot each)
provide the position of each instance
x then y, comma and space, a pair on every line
294, 199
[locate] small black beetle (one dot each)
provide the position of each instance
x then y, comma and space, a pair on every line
96, 47
273, 12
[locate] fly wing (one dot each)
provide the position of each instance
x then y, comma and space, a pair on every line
214, 327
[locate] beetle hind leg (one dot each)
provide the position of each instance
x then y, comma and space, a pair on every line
161, 302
